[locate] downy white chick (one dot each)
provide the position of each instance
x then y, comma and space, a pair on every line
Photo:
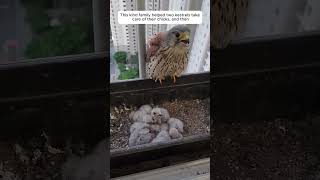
175, 128
140, 116
160, 115
140, 134
137, 126
136, 115
176, 123
163, 136
164, 127
145, 136
147, 118
156, 128
146, 108
174, 133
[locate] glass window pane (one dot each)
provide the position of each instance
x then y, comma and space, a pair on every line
199, 52
124, 40
38, 29
124, 63
281, 17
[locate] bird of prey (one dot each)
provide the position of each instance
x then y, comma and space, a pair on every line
147, 108
160, 115
163, 136
175, 134
229, 17
176, 123
167, 54
140, 133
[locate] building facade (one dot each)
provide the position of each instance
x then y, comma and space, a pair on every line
124, 36
199, 58
155, 5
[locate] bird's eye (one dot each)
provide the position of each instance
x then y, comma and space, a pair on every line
177, 34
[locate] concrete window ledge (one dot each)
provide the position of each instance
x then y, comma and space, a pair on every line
195, 170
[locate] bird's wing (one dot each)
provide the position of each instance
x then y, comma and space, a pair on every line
154, 44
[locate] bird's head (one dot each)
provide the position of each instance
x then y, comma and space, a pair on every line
178, 36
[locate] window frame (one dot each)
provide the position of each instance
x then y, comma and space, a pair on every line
65, 93
266, 52
48, 92
99, 24
53, 76
262, 73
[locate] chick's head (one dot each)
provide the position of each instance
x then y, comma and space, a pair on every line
160, 115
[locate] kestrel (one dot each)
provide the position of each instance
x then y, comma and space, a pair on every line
167, 54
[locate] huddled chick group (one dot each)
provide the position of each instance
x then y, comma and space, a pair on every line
153, 125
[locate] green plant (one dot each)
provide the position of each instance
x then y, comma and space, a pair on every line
36, 14
68, 38
38, 20
120, 57
129, 74
121, 67
58, 41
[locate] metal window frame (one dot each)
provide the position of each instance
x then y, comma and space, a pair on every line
56, 94
100, 24
267, 77
100, 15
48, 77
257, 53
64, 95
141, 42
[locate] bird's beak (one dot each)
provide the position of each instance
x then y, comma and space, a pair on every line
184, 37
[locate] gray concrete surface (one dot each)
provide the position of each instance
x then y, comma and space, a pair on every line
195, 170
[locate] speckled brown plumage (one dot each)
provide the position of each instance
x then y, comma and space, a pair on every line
167, 54
228, 18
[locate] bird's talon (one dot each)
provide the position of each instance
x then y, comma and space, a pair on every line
173, 78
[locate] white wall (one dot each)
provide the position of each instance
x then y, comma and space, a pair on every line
201, 42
